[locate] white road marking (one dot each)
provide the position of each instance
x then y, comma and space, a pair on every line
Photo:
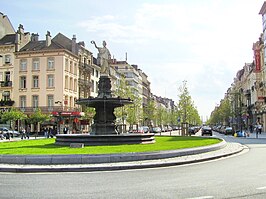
261, 188
202, 197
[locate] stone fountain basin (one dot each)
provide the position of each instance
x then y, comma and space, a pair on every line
95, 140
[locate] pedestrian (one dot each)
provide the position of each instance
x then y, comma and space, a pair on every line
45, 132
65, 130
259, 127
28, 132
23, 133
2, 135
251, 128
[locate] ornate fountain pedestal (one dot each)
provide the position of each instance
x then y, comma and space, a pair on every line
104, 128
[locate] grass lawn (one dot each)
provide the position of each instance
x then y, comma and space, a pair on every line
47, 146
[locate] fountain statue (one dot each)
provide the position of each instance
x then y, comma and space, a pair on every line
104, 128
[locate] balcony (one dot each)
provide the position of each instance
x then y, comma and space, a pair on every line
83, 82
48, 109
85, 66
6, 83
6, 102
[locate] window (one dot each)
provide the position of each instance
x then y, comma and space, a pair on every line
7, 59
75, 69
75, 85
6, 95
35, 101
35, 64
93, 72
7, 76
22, 101
92, 82
22, 82
97, 73
71, 83
66, 82
50, 81
35, 80
50, 63
23, 65
50, 101
66, 65
71, 67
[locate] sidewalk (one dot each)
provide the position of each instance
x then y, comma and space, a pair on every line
192, 156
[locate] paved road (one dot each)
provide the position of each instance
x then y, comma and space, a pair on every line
240, 176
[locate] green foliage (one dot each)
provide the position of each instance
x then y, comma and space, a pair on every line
12, 115
132, 112
38, 117
221, 113
89, 114
186, 108
47, 146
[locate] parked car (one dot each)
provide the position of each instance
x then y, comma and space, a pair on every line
141, 129
6, 132
169, 128
228, 131
164, 129
206, 130
156, 130
191, 130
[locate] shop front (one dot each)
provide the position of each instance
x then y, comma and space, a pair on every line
68, 122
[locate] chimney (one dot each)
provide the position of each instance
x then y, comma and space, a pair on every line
48, 39
34, 37
20, 29
74, 44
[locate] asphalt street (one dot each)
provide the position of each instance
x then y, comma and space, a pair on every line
239, 176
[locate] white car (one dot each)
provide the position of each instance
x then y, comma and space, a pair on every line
12, 133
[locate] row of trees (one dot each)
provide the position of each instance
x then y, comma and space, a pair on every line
16, 115
222, 113
152, 114
184, 112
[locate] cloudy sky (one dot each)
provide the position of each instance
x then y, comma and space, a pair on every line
204, 42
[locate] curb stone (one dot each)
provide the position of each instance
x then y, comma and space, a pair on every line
227, 150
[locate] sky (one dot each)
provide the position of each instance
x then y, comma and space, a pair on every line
203, 42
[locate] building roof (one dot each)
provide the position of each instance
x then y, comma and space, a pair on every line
263, 8
8, 39
58, 42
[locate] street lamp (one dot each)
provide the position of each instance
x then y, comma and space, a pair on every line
59, 119
237, 108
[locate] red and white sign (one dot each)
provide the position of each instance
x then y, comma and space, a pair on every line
257, 61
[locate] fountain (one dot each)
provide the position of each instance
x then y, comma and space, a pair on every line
104, 129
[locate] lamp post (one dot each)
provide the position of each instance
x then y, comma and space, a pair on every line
237, 109
59, 119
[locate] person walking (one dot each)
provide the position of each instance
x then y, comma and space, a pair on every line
23, 133
259, 127
28, 132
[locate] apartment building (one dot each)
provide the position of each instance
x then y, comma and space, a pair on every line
10, 42
131, 74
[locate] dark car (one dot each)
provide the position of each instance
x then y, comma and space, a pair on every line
191, 130
228, 131
206, 130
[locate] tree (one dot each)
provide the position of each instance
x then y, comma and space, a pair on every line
187, 111
89, 114
132, 113
13, 115
38, 117
149, 111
